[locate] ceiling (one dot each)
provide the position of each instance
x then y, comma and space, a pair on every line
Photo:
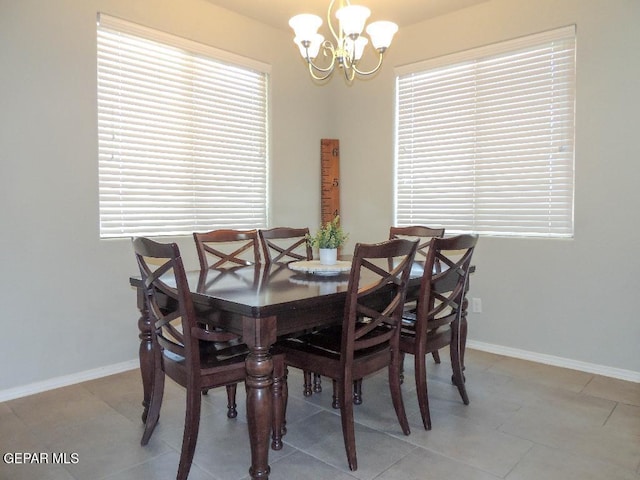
403, 12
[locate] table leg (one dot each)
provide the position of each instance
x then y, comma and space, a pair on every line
259, 334
145, 353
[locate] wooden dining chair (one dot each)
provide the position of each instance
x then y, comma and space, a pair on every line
367, 340
419, 232
227, 248
285, 244
423, 235
437, 320
193, 356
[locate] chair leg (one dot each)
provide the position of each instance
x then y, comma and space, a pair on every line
232, 411
317, 383
155, 402
346, 416
436, 356
285, 398
277, 427
456, 363
357, 392
190, 437
154, 408
396, 394
307, 391
463, 330
421, 389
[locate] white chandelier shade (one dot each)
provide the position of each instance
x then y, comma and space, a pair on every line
349, 44
352, 19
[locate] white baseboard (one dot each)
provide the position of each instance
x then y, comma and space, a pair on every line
66, 380
79, 377
619, 373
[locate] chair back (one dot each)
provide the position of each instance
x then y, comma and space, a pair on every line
285, 244
227, 248
442, 306
371, 320
423, 234
169, 303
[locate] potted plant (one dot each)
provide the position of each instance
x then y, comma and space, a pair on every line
328, 239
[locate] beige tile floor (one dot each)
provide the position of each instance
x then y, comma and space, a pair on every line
526, 421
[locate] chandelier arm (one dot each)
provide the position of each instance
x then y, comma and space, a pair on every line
319, 77
370, 72
330, 24
349, 74
326, 46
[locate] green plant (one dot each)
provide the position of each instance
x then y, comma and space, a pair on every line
330, 235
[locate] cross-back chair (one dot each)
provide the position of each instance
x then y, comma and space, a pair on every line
423, 235
193, 356
227, 248
367, 340
282, 245
437, 320
419, 232
285, 244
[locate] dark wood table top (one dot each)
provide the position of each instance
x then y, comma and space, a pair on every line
262, 290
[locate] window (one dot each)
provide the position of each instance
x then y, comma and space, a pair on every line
485, 139
182, 133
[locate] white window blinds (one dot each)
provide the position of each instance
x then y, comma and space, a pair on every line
182, 134
485, 139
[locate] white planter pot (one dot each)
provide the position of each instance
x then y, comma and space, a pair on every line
328, 256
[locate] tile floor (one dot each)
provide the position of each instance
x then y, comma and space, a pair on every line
525, 421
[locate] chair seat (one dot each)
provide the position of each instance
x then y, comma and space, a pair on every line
438, 337
325, 343
214, 355
220, 354
214, 371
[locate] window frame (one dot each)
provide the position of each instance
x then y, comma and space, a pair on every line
215, 174
447, 213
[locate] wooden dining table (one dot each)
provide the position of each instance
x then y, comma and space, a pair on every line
260, 303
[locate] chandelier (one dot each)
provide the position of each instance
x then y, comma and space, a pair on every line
349, 44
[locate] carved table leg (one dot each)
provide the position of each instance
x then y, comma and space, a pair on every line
145, 353
259, 334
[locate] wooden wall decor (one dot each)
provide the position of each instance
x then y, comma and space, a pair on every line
330, 178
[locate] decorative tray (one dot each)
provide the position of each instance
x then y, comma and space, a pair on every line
316, 268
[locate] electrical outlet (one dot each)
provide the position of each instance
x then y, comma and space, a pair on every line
476, 305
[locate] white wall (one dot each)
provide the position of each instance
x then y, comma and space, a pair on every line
66, 304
